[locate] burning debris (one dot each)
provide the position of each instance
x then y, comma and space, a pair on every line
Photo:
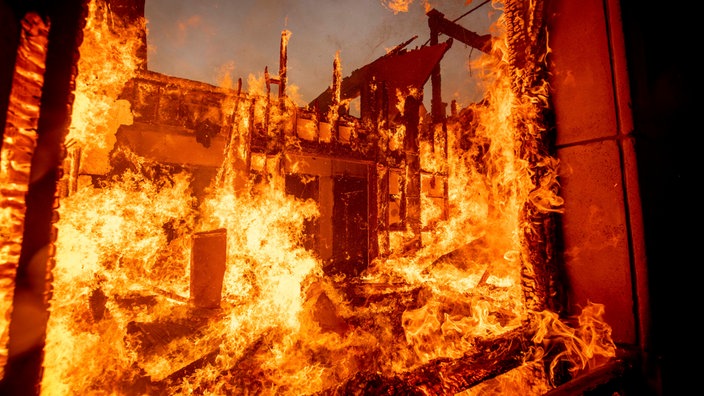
216, 241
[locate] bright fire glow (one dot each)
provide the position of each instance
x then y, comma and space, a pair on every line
123, 321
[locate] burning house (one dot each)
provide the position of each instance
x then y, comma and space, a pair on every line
167, 236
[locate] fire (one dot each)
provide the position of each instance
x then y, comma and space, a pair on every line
122, 318
107, 61
397, 5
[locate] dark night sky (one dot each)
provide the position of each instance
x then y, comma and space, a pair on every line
210, 39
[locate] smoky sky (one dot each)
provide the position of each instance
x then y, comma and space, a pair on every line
210, 39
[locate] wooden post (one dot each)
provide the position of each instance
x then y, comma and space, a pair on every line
283, 59
208, 259
436, 108
334, 113
412, 179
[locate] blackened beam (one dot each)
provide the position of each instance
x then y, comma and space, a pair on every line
401, 46
443, 376
439, 24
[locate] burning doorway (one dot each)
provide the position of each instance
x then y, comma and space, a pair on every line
412, 292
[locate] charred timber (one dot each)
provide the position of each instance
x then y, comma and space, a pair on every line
527, 48
439, 24
610, 378
442, 376
247, 377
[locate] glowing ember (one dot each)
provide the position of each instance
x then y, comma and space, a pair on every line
446, 287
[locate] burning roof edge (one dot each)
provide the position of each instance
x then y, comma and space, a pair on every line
398, 68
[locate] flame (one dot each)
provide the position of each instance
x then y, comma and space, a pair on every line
397, 5
122, 320
582, 347
106, 63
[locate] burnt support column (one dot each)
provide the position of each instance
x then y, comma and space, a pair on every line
374, 200
412, 180
383, 242
436, 109
334, 113
283, 60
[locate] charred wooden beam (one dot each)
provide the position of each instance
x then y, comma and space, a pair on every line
381, 177
154, 337
488, 359
283, 60
145, 386
247, 377
397, 70
376, 209
412, 190
437, 111
442, 376
439, 24
612, 378
527, 46
336, 90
